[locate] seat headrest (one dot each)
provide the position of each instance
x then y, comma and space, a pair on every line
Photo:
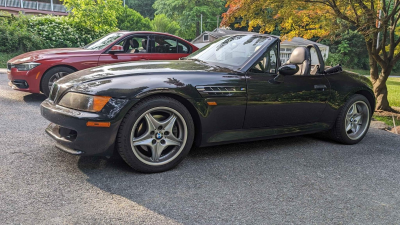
299, 55
134, 43
144, 43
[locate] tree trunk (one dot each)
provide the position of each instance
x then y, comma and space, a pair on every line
197, 28
379, 81
380, 89
373, 68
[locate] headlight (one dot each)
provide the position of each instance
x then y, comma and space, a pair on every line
25, 66
89, 103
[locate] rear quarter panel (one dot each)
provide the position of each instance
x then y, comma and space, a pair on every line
344, 85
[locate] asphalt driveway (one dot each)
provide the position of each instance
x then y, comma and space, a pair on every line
299, 180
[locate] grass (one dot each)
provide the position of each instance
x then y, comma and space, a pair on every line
4, 57
393, 85
388, 120
366, 72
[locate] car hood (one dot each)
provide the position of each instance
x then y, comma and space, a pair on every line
139, 68
47, 54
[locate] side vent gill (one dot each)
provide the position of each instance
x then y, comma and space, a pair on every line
209, 91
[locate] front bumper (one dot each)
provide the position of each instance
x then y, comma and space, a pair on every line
31, 77
68, 127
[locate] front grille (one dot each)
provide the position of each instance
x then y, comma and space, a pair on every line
54, 91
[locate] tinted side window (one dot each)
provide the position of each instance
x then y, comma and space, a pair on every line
164, 44
134, 44
183, 48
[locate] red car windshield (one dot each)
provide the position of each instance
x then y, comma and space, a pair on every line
103, 42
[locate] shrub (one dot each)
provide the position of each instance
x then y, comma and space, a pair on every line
60, 32
27, 33
15, 37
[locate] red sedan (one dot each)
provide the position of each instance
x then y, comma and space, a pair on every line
36, 71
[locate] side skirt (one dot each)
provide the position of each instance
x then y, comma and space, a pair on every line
243, 135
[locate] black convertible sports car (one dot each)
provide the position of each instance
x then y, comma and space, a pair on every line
232, 90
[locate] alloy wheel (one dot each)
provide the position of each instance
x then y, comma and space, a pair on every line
158, 136
56, 77
357, 120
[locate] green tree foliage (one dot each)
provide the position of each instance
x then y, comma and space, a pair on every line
348, 49
131, 20
96, 15
144, 7
187, 14
162, 23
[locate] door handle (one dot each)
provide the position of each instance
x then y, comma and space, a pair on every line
320, 87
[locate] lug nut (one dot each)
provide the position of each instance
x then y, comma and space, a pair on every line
152, 133
160, 127
163, 141
154, 141
166, 133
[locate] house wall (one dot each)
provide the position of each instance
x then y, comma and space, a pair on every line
200, 40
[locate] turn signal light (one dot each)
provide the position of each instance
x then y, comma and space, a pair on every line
98, 124
211, 103
99, 102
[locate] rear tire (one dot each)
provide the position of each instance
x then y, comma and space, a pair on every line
353, 121
155, 135
53, 75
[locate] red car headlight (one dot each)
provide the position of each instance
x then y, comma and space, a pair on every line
25, 66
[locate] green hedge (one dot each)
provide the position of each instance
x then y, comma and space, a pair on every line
27, 33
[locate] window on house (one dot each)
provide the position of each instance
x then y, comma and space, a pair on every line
205, 37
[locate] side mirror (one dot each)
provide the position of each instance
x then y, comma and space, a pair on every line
116, 49
288, 70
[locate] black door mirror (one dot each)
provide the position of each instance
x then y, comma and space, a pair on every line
288, 70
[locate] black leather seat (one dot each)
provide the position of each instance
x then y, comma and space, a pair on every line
144, 45
180, 49
302, 58
134, 44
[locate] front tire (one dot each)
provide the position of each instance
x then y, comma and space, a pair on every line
353, 121
52, 76
155, 135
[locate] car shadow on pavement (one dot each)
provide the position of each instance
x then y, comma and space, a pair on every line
88, 163
207, 181
31, 98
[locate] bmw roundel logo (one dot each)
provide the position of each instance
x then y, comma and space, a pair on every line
158, 135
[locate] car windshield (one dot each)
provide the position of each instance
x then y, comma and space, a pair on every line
103, 42
232, 50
